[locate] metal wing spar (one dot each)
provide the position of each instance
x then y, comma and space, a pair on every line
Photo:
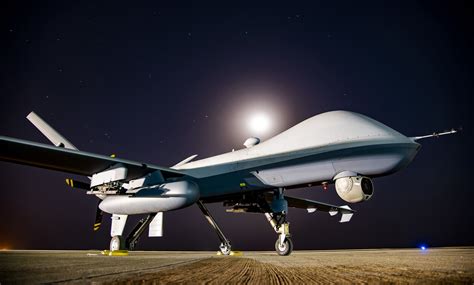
72, 161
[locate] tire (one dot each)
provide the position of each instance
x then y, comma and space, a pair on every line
225, 249
117, 243
284, 249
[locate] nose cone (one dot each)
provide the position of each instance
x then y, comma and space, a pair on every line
411, 152
331, 128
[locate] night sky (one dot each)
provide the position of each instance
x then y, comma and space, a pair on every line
157, 83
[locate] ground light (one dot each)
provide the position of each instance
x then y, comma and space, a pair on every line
423, 247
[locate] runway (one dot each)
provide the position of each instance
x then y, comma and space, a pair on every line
435, 265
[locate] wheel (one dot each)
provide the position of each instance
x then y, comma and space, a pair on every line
117, 243
285, 248
225, 249
131, 246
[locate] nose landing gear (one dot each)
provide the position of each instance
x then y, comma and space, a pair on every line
284, 248
284, 244
276, 216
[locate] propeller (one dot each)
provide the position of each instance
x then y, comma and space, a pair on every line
86, 186
98, 217
77, 184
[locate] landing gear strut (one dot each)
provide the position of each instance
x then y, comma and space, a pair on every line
277, 219
225, 246
118, 242
283, 245
132, 238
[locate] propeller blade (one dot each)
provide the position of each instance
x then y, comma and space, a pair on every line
77, 184
98, 217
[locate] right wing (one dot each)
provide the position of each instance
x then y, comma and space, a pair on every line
72, 161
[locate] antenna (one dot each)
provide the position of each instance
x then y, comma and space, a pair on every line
436, 134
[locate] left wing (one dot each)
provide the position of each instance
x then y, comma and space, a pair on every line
72, 161
312, 206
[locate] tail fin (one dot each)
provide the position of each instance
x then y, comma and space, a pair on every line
56, 138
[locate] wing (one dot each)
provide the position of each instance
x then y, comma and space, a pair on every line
71, 161
312, 206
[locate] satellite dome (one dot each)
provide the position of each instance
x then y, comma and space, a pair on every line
252, 141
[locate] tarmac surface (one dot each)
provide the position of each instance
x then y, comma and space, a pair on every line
435, 265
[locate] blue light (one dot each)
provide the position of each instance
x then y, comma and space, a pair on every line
423, 247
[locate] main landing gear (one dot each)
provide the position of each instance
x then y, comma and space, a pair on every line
225, 246
118, 242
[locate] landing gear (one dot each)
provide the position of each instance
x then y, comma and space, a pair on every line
274, 206
283, 245
277, 219
117, 243
284, 248
225, 246
135, 234
225, 249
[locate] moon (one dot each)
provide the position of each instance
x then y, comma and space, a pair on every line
259, 123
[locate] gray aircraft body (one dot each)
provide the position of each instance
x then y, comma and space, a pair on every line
339, 147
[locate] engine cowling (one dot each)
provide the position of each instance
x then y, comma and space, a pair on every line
354, 189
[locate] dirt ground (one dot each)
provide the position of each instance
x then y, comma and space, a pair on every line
436, 265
